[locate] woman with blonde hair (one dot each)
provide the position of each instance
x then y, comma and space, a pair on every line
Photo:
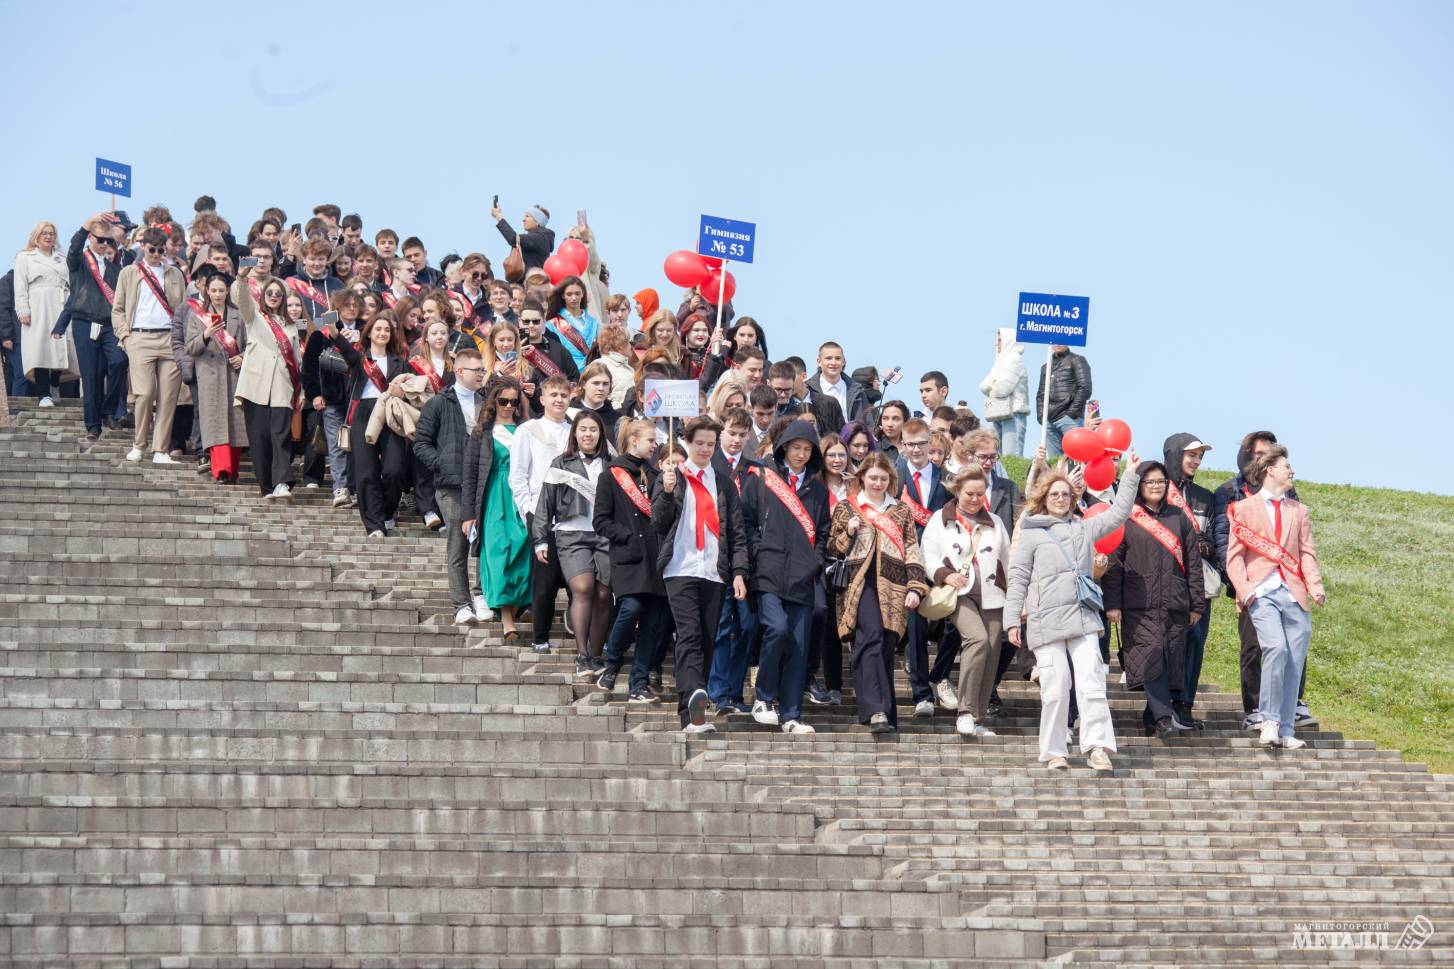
42, 284
730, 392
662, 334
1051, 585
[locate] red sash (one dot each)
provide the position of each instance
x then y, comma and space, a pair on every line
290, 358
256, 290
390, 300
223, 338
372, 370
1174, 499
540, 361
414, 288
156, 288
794, 504
100, 277
308, 291
628, 485
886, 528
425, 368
1159, 532
920, 513
564, 328
464, 302
1264, 546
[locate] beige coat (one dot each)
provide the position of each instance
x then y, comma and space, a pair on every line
221, 418
128, 290
41, 287
264, 378
400, 414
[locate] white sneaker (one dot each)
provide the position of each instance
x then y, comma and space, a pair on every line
1268, 737
340, 497
134, 454
281, 491
390, 524
797, 727
432, 520
764, 714
463, 616
160, 458
944, 693
1099, 759
980, 730
1293, 743
924, 708
376, 534
705, 727
46, 402
964, 726
483, 613
310, 485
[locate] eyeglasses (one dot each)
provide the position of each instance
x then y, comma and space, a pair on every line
1058, 496
916, 444
782, 391
986, 458
1154, 482
469, 369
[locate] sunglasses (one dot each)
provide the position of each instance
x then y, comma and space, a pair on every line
477, 275
154, 250
532, 319
102, 240
506, 401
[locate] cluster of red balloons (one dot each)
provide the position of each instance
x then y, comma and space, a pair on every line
570, 258
1108, 543
706, 273
1097, 450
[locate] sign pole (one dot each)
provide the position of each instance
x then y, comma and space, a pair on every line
1045, 397
113, 201
721, 294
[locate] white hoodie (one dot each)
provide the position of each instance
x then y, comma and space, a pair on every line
1006, 387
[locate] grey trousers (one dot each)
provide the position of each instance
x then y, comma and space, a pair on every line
457, 548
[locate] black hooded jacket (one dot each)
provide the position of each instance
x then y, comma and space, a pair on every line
1198, 499
784, 561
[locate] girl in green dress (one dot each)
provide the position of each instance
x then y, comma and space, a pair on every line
504, 542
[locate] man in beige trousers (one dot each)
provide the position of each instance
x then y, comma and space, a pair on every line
147, 294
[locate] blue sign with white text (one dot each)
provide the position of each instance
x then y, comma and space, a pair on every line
1051, 318
726, 239
113, 177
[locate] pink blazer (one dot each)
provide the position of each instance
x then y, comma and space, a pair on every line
1246, 569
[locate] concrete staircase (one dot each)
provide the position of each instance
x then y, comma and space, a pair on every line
236, 732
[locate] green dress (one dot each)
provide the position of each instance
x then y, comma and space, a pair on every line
504, 542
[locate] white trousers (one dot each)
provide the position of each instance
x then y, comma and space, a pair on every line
1054, 661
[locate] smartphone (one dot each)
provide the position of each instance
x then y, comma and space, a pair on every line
496, 203
1092, 409
509, 357
296, 228
580, 217
474, 533
247, 262
893, 376
328, 319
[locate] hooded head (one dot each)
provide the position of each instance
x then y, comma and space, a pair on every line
1145, 468
798, 431
1007, 340
647, 303
864, 377
1173, 449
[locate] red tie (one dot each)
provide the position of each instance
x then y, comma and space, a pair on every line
1277, 530
918, 488
705, 508
793, 480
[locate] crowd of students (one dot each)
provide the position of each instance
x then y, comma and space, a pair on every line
802, 518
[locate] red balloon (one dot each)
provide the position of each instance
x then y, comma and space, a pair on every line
712, 262
1100, 473
558, 268
710, 286
1080, 444
685, 268
1107, 543
574, 251
1115, 435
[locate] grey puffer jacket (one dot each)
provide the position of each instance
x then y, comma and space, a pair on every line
1042, 585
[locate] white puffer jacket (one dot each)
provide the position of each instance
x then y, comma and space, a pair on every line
1007, 386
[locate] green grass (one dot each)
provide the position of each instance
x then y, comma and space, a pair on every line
1381, 663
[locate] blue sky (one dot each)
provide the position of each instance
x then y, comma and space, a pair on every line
1255, 197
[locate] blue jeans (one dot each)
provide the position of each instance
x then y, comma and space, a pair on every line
650, 638
333, 417
19, 386
782, 670
1012, 434
1196, 645
1056, 431
736, 628
103, 372
1283, 630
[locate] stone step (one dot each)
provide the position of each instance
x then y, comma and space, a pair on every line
510, 941
1233, 949
877, 830
106, 610
212, 573
195, 816
76, 631
299, 717
476, 661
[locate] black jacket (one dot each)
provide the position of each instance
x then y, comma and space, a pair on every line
1070, 387
479, 457
429, 276
318, 382
551, 346
559, 501
745, 465
326, 287
938, 494
87, 301
1005, 502
858, 402
535, 244
666, 515
1198, 499
634, 543
9, 322
441, 438
784, 562
357, 379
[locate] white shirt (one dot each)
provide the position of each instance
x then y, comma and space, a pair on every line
537, 443
438, 364
1274, 581
467, 405
687, 561
838, 391
381, 359
150, 313
926, 480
